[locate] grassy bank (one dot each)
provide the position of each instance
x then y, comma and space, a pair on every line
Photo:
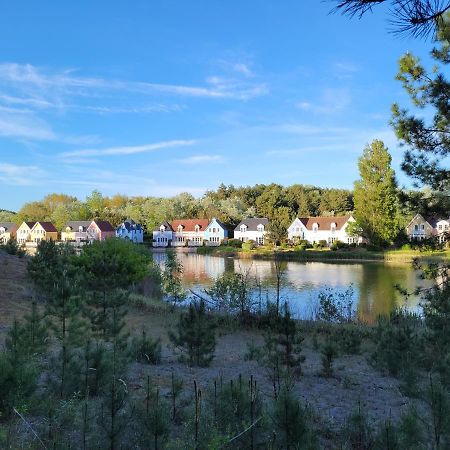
398, 256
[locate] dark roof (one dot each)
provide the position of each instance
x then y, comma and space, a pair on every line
9, 226
189, 224
75, 224
252, 224
220, 223
324, 222
104, 225
130, 224
48, 226
30, 224
166, 224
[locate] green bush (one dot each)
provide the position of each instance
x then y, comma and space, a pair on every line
146, 349
249, 245
236, 243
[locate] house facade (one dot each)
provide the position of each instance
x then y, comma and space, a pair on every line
216, 233
443, 230
99, 230
130, 230
43, 231
328, 229
419, 228
254, 229
163, 235
75, 231
188, 232
8, 230
24, 232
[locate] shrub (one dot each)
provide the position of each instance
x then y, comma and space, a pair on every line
322, 244
195, 336
335, 306
348, 338
248, 245
337, 245
406, 247
13, 248
234, 243
329, 353
146, 349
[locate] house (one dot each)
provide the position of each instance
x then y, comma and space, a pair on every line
75, 230
99, 230
163, 235
43, 231
23, 233
328, 229
8, 231
130, 230
254, 229
420, 228
188, 232
215, 233
442, 230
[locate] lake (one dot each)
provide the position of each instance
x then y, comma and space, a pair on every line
372, 283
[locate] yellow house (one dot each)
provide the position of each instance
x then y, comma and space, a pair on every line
75, 230
24, 232
43, 231
7, 231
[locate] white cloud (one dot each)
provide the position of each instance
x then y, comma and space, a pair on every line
19, 175
127, 150
330, 101
25, 126
199, 159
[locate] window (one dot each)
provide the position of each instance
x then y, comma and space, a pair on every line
440, 227
197, 228
260, 228
333, 227
315, 227
416, 227
422, 226
243, 228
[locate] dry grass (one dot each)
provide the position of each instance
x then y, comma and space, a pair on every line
15, 291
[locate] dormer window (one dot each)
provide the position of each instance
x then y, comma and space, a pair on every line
80, 228
260, 228
180, 228
315, 227
197, 228
333, 227
162, 228
243, 228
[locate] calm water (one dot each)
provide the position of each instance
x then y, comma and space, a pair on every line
373, 283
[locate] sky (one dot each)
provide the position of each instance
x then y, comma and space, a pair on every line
159, 97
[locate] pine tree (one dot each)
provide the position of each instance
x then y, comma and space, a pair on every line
375, 195
171, 279
195, 335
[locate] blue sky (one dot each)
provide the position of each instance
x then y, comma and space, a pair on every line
160, 97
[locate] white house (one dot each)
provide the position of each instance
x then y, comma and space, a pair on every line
442, 229
328, 229
24, 232
130, 230
254, 229
8, 231
163, 235
420, 228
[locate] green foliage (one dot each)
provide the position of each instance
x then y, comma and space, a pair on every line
230, 292
357, 433
398, 343
328, 352
336, 306
235, 243
195, 335
171, 278
13, 248
376, 197
248, 245
145, 349
293, 423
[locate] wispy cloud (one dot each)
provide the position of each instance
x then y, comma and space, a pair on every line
25, 126
127, 150
19, 175
200, 159
330, 101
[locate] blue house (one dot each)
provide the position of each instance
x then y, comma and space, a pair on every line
216, 233
130, 230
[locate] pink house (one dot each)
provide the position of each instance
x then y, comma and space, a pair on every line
99, 230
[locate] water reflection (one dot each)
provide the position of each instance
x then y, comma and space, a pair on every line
374, 291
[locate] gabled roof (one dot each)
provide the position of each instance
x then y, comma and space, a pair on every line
221, 224
189, 224
324, 223
47, 226
30, 225
76, 224
418, 216
103, 225
9, 226
165, 224
130, 224
252, 224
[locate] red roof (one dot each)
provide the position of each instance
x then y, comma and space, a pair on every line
189, 224
48, 226
104, 225
324, 222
